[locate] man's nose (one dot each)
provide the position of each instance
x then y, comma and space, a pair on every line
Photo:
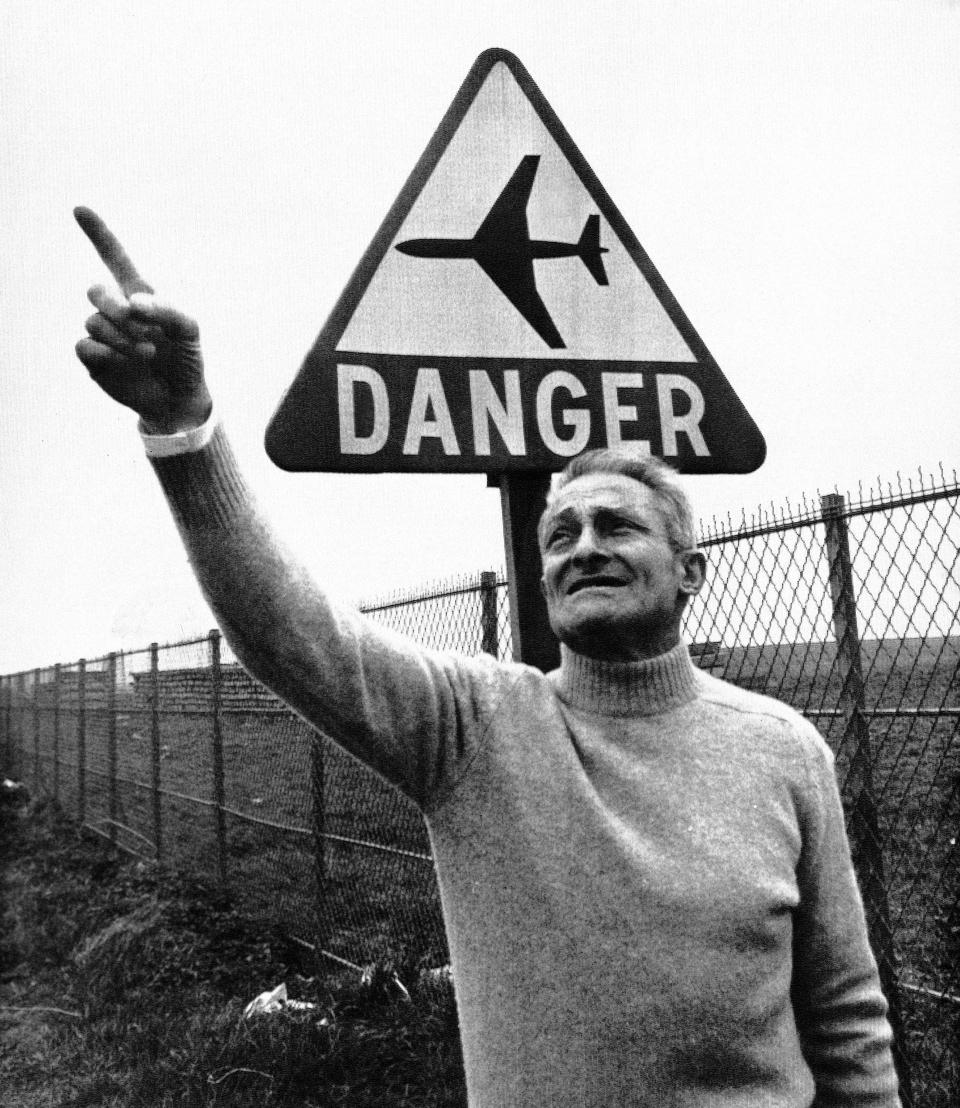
589, 546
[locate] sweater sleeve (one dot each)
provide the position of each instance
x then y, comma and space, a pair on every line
841, 1011
414, 716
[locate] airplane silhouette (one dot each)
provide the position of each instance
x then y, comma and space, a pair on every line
503, 249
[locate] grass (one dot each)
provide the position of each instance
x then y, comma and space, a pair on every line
124, 987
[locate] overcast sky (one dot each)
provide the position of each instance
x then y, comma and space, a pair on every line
792, 169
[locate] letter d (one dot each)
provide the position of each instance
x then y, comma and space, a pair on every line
350, 442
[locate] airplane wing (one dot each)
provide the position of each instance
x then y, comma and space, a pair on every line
514, 277
502, 249
506, 222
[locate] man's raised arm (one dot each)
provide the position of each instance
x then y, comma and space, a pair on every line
395, 706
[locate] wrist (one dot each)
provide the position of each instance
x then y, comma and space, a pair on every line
179, 423
184, 440
171, 427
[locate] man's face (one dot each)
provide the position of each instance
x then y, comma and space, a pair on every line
615, 587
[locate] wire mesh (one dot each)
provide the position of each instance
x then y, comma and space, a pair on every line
847, 611
448, 617
850, 615
270, 841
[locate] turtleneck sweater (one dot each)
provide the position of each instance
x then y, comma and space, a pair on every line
644, 873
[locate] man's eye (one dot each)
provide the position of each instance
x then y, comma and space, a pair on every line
557, 538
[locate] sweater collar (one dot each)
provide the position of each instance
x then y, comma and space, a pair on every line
627, 688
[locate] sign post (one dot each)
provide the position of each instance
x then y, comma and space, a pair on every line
522, 499
504, 319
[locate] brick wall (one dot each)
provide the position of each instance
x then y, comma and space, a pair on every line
95, 690
191, 690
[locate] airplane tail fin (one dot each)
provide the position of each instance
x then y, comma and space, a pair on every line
589, 250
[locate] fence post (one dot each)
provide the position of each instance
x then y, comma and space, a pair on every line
488, 613
8, 746
17, 727
8, 733
20, 697
865, 840
36, 729
11, 758
8, 713
7, 761
112, 741
21, 710
155, 747
11, 745
319, 830
216, 677
56, 730
82, 739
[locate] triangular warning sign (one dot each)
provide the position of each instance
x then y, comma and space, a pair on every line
505, 318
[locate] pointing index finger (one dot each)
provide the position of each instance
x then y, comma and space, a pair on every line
113, 255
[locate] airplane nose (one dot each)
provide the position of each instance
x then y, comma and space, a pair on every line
416, 248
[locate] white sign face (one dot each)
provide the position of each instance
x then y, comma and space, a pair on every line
505, 318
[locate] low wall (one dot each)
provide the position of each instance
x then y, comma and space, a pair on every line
191, 690
96, 686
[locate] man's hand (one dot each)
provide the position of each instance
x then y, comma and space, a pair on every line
141, 352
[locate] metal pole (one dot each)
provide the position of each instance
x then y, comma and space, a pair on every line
216, 677
11, 756
522, 500
319, 831
11, 743
865, 837
488, 613
82, 739
112, 742
9, 691
7, 742
36, 729
56, 730
155, 747
21, 701
5, 689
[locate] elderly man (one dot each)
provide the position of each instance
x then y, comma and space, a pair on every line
644, 873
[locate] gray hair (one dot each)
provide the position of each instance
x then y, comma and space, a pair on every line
657, 475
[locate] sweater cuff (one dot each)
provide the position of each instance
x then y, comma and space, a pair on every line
180, 442
204, 487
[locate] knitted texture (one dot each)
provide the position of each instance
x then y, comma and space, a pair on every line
644, 871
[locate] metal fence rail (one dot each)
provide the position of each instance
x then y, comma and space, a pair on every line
848, 610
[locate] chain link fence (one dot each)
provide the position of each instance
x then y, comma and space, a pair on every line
846, 609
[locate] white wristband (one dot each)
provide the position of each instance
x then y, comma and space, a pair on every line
180, 442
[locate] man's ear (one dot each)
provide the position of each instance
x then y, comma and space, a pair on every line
694, 571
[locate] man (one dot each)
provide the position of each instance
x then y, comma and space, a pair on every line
644, 873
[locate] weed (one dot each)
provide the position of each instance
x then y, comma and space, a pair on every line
124, 988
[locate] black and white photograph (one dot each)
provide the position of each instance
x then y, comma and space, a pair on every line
480, 529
